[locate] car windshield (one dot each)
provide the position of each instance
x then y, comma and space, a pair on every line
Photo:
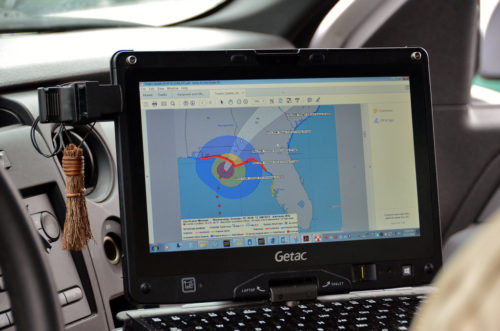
28, 15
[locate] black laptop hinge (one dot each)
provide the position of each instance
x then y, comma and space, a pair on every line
294, 292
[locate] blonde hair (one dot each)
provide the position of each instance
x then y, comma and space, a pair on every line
468, 287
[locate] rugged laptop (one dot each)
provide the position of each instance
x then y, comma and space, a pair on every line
275, 176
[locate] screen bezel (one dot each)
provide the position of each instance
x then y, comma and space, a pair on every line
142, 265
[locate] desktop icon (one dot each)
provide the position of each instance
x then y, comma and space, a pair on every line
249, 242
261, 241
305, 238
227, 243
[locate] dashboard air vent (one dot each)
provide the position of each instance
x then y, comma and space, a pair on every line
99, 174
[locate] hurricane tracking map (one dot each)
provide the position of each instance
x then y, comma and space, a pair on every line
242, 163
238, 164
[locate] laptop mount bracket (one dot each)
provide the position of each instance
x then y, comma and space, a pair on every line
79, 103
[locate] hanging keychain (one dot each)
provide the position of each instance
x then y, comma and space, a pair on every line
77, 231
75, 103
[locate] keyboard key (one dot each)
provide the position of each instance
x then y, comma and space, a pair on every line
362, 326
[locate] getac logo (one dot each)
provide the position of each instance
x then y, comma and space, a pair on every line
290, 257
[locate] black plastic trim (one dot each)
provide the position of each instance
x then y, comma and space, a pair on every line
20, 111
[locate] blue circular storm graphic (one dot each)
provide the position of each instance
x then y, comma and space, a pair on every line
226, 165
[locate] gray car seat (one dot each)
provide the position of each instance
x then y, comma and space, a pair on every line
467, 162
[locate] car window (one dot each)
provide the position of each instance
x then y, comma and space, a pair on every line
487, 9
43, 14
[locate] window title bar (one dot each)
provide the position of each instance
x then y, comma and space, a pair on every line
274, 81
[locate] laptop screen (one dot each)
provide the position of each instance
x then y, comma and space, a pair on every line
243, 163
241, 171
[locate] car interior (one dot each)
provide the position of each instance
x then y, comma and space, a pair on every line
39, 49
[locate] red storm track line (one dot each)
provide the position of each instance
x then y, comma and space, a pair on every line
232, 162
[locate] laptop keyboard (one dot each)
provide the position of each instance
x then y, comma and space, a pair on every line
378, 313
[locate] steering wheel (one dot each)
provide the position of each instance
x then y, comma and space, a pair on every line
32, 293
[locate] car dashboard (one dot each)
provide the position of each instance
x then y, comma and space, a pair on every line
89, 283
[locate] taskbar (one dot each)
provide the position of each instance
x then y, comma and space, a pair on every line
272, 240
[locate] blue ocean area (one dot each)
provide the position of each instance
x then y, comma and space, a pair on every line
198, 200
318, 168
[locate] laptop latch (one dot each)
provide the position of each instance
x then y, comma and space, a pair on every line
293, 292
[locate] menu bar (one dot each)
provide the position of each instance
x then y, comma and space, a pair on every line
165, 98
